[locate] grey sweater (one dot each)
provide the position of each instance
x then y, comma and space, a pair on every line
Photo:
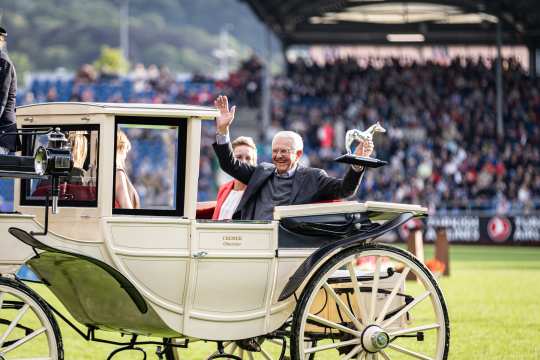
277, 191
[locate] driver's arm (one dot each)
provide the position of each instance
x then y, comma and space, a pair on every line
6, 74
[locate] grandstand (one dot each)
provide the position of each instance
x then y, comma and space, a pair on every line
442, 142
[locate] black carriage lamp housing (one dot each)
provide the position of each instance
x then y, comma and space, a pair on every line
56, 158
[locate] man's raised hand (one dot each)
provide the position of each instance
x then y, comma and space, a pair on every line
226, 116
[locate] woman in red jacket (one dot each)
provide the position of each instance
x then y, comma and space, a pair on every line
230, 193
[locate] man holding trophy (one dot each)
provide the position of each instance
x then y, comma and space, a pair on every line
285, 181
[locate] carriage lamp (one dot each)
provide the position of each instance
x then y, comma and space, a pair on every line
54, 160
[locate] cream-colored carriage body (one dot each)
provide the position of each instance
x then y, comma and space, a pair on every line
160, 271
233, 284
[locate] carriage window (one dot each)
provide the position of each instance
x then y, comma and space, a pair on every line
80, 187
148, 174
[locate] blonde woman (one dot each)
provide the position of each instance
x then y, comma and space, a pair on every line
230, 194
126, 196
79, 151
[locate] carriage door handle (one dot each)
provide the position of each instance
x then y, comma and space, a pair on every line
199, 254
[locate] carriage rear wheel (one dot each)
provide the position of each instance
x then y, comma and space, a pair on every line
28, 329
361, 305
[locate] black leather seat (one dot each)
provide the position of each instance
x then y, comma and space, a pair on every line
316, 230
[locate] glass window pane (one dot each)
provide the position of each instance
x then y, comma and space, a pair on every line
146, 167
80, 187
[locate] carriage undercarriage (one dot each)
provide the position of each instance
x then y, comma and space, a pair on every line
331, 318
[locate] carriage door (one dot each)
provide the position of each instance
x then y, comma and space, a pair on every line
148, 236
232, 278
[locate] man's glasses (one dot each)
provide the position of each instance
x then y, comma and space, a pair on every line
282, 151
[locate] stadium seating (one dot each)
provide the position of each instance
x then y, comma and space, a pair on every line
442, 142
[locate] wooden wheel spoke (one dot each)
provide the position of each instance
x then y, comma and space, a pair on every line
14, 323
356, 290
405, 309
414, 329
390, 297
28, 324
409, 352
375, 289
265, 354
28, 337
276, 342
374, 300
332, 324
357, 350
331, 346
250, 355
342, 306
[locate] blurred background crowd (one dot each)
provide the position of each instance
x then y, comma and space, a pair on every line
441, 142
442, 145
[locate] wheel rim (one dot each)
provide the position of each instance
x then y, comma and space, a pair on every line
384, 319
25, 330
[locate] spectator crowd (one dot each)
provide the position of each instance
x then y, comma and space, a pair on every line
442, 142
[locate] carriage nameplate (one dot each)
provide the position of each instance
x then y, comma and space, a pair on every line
235, 240
229, 243
229, 240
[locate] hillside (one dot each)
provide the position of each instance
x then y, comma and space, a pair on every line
47, 34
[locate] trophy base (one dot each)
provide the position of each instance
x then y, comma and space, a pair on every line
360, 160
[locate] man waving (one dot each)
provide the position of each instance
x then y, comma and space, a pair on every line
284, 181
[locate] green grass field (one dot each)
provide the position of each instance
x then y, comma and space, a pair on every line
493, 297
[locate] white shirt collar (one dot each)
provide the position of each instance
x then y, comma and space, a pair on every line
289, 174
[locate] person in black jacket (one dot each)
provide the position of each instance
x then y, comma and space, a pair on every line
284, 181
8, 93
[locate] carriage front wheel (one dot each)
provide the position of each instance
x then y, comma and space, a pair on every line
372, 302
28, 329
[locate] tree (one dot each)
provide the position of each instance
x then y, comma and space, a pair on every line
111, 62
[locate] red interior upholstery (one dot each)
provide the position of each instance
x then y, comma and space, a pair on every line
70, 192
205, 209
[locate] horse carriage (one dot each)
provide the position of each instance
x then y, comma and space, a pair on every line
312, 283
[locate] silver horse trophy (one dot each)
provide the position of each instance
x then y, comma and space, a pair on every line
354, 138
